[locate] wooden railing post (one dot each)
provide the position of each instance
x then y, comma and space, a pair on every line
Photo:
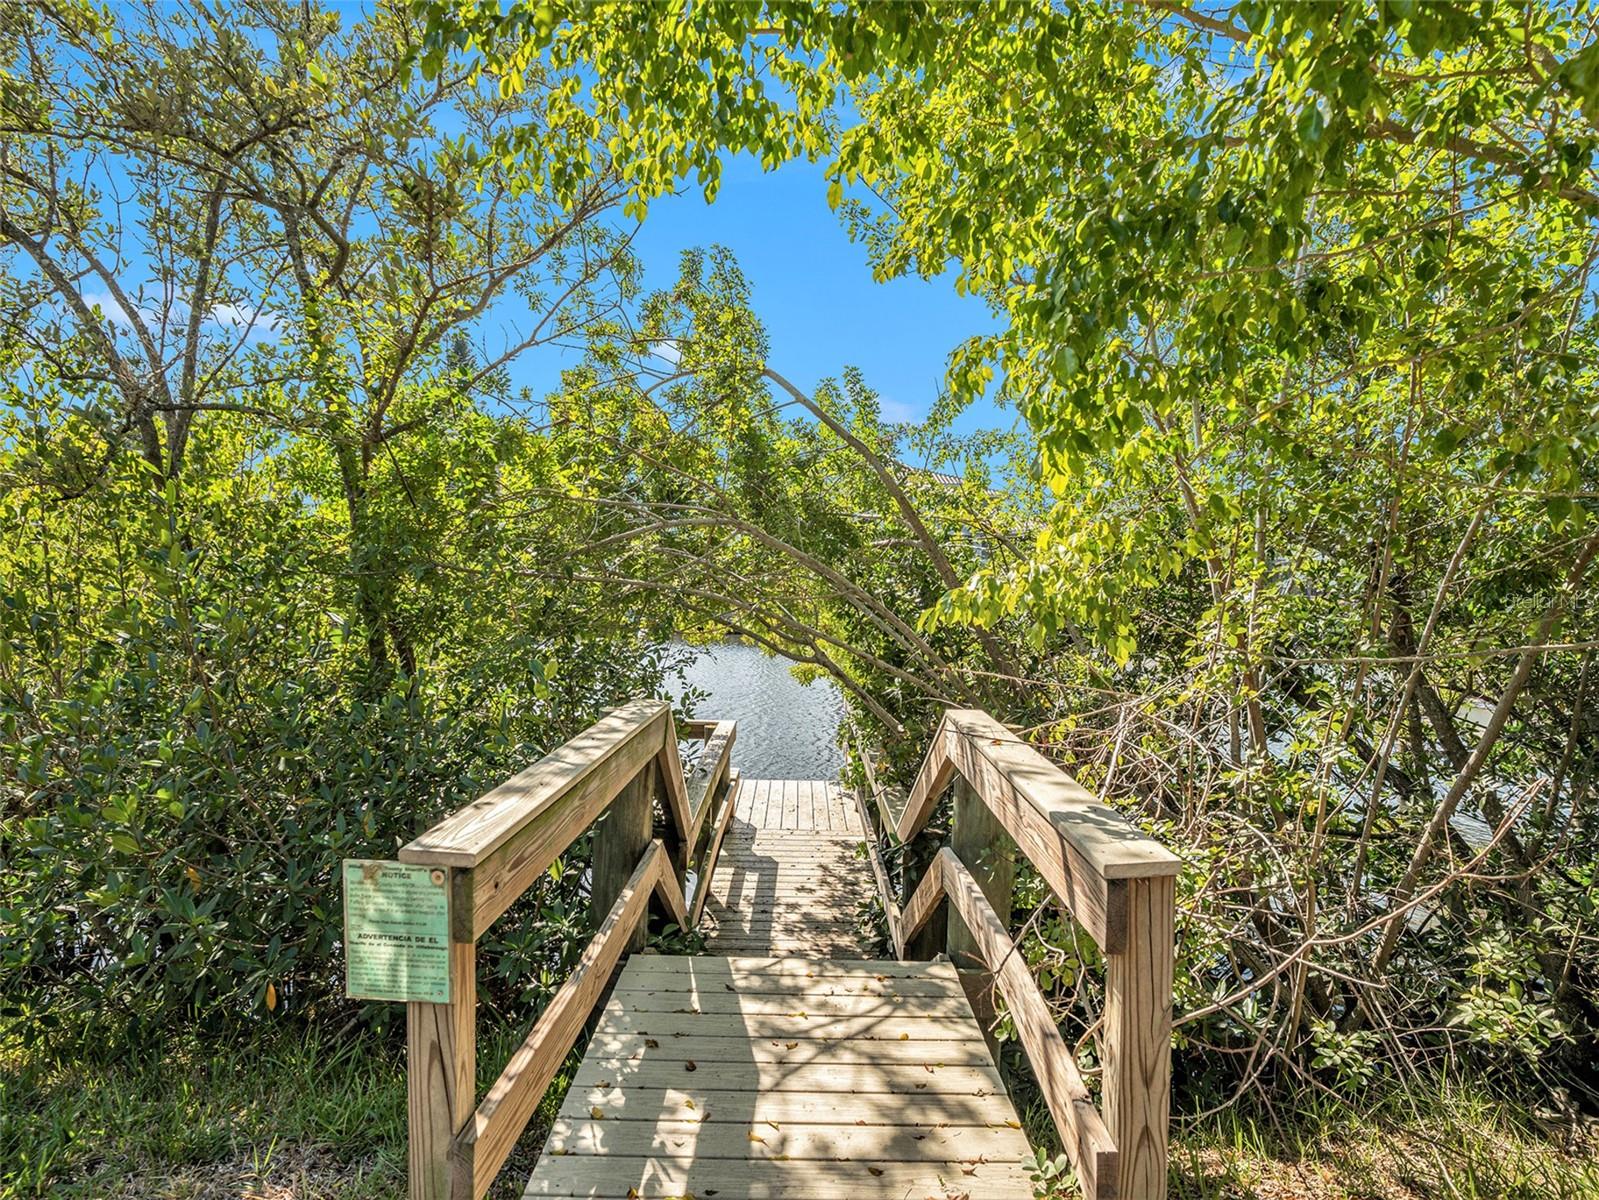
621, 836
1137, 1044
988, 852
441, 1075
493, 850
933, 936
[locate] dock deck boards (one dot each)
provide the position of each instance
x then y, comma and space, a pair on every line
790, 877
786, 1063
785, 1079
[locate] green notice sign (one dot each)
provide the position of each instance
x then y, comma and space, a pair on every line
396, 932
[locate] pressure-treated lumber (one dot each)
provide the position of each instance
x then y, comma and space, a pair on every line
796, 1066
885, 892
619, 1177
906, 1080
1138, 1016
707, 864
468, 836
790, 874
489, 1136
888, 800
730, 1093
981, 844
507, 838
1083, 849
1083, 1131
674, 801
440, 1075
704, 782
621, 839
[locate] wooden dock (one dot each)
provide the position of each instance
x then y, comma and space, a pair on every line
800, 1078
792, 876
790, 1064
790, 1061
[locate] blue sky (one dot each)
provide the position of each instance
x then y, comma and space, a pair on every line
811, 286
813, 289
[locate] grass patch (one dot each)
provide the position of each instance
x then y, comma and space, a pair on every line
311, 1116
1456, 1143
280, 1118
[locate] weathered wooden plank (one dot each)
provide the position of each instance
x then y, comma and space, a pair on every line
481, 1147
754, 928
511, 835
823, 1078
799, 945
783, 890
827, 1104
740, 968
440, 1076
688, 1139
937, 770
787, 990
1137, 1046
757, 925
660, 1109
1083, 1132
796, 1023
987, 851
707, 872
729, 1056
674, 803
919, 912
769, 1004
795, 848
705, 780
616, 1177
885, 891
620, 840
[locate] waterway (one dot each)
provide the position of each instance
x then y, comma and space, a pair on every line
786, 729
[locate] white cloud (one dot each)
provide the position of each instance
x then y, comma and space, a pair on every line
235, 317
668, 351
897, 412
109, 308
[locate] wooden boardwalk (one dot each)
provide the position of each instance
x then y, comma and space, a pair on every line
793, 1061
785, 1078
792, 1065
790, 879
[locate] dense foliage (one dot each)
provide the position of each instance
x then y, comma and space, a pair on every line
1298, 310
260, 609
1293, 557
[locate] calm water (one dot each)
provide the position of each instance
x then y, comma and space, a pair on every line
786, 730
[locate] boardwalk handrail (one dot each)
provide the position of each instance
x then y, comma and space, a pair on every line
493, 850
1117, 882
